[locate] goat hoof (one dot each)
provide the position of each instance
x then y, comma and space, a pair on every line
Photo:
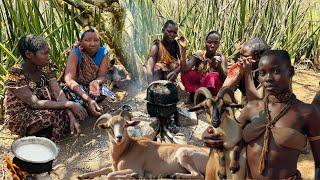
234, 169
134, 175
173, 176
222, 175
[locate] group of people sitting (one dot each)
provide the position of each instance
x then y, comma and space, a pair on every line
35, 104
276, 125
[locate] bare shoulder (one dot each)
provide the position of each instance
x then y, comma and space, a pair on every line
153, 51
309, 113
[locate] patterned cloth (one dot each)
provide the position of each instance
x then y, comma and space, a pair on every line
204, 74
192, 80
87, 71
20, 117
166, 62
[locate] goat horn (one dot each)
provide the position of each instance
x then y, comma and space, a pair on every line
199, 106
126, 115
104, 118
225, 90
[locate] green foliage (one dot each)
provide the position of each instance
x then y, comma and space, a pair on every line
54, 21
283, 24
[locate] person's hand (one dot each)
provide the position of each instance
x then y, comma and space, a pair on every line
74, 125
79, 111
94, 108
246, 63
212, 139
182, 42
172, 76
94, 88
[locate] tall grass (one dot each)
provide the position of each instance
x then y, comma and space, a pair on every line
283, 24
54, 21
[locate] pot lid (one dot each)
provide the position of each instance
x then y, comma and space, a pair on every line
34, 149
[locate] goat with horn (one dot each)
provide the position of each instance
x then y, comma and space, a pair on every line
143, 158
220, 113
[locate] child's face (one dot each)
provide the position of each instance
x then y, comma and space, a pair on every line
41, 57
90, 43
274, 74
247, 53
212, 43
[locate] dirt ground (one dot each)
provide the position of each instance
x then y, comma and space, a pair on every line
90, 151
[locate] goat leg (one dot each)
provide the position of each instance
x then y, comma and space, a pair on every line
222, 173
90, 175
234, 157
123, 174
185, 159
234, 160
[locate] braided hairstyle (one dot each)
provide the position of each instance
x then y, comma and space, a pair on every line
31, 43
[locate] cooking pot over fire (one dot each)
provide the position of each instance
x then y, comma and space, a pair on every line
162, 98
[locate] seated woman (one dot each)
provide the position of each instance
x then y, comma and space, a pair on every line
247, 82
276, 129
86, 71
206, 68
33, 101
164, 55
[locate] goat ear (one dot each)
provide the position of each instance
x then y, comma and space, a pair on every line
102, 120
102, 126
199, 106
132, 123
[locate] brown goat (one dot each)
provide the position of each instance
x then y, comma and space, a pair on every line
143, 158
220, 114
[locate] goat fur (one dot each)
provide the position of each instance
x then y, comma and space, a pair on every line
143, 158
233, 154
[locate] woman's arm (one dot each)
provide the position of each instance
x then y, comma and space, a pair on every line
251, 90
60, 96
80, 112
102, 72
313, 132
151, 62
70, 74
224, 64
224, 67
26, 95
94, 88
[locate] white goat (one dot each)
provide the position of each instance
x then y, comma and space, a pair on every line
220, 114
143, 158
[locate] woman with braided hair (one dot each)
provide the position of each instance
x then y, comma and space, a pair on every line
276, 128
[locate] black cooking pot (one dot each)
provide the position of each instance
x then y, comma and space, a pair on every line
162, 98
23, 147
33, 168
